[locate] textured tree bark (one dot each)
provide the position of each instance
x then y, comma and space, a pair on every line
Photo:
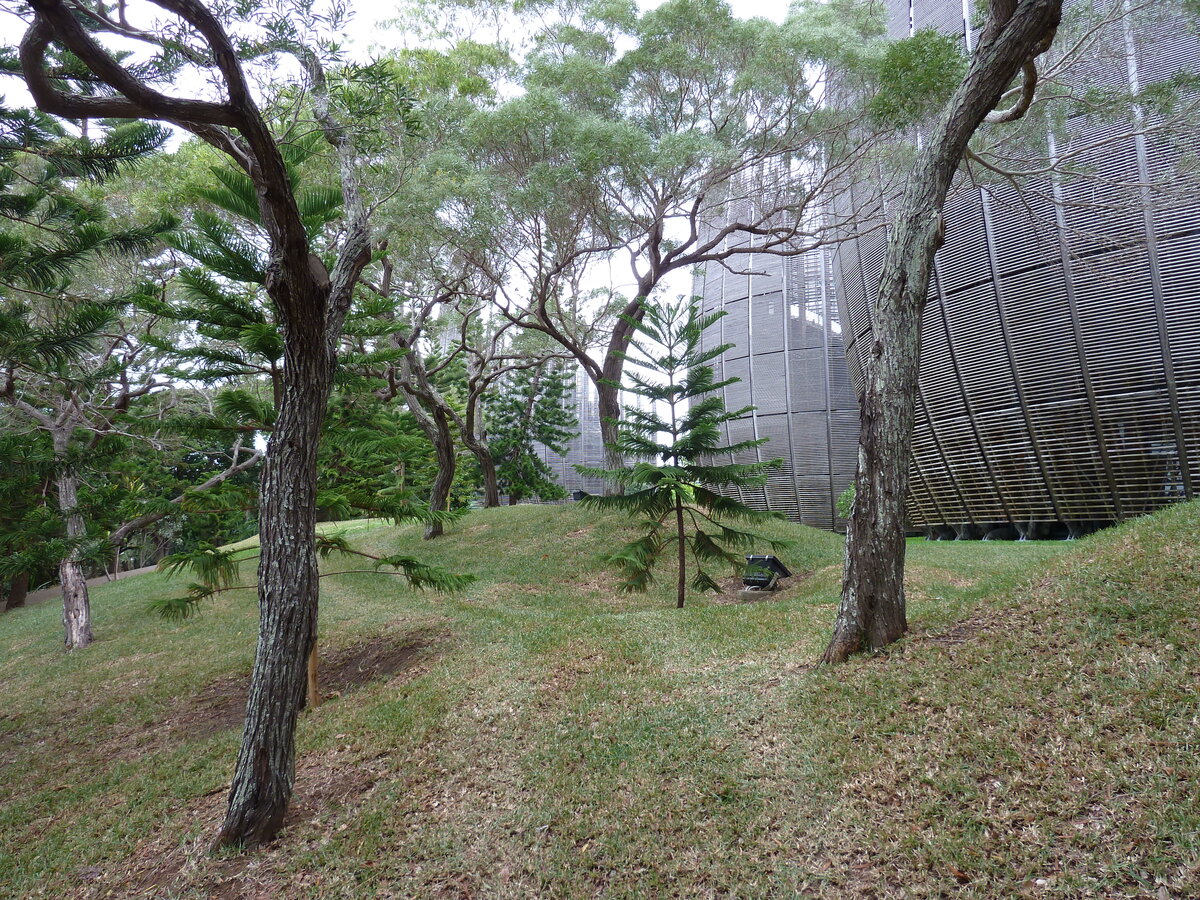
608, 390
443, 446
487, 467
872, 610
17, 591
312, 302
287, 588
610, 415
77, 608
491, 484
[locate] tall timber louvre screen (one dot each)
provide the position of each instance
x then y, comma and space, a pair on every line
782, 318
1060, 376
586, 448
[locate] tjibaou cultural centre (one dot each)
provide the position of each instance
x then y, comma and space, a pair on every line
1060, 374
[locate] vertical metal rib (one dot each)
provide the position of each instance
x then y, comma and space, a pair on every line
1164, 338
998, 287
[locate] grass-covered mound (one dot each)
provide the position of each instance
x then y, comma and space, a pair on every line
539, 735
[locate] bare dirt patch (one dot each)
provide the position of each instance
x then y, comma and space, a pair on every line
327, 785
221, 705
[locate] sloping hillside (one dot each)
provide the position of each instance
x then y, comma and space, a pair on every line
540, 735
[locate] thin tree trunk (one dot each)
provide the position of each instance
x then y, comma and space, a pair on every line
313, 699
872, 610
77, 608
682, 585
443, 446
17, 591
288, 591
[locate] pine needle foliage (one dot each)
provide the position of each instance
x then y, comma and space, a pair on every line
677, 439
532, 408
217, 570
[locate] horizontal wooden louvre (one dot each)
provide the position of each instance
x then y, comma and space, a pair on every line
792, 368
1060, 377
1061, 346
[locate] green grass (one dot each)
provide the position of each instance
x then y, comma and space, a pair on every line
1035, 735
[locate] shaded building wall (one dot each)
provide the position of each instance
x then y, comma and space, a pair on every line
1060, 377
782, 318
586, 448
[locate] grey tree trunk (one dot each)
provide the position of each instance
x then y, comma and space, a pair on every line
608, 392
312, 302
487, 468
491, 484
872, 610
77, 608
610, 415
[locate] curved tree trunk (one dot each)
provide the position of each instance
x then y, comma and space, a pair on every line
311, 301
287, 590
608, 391
491, 484
872, 610
443, 446
487, 468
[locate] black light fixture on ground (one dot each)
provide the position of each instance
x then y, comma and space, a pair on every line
762, 575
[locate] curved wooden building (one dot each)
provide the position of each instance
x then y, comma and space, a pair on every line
1060, 378
782, 318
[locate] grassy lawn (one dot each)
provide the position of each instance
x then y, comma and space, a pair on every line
539, 735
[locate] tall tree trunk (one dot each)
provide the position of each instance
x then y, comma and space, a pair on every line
443, 446
491, 484
872, 610
77, 608
287, 590
609, 398
681, 587
608, 391
487, 467
17, 591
